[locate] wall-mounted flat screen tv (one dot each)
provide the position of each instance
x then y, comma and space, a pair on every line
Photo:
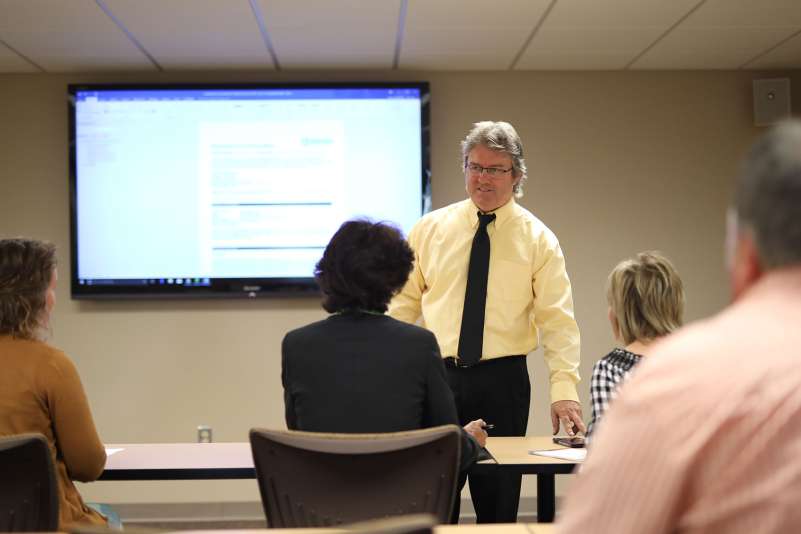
235, 190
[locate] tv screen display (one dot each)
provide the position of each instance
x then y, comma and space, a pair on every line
209, 191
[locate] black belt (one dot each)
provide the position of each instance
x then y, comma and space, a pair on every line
456, 363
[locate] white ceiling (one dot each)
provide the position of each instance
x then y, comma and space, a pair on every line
171, 35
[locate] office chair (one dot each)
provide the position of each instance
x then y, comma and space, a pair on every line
310, 479
28, 492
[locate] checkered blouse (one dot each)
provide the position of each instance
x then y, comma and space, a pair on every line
607, 374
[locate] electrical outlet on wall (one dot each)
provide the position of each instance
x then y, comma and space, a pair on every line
204, 434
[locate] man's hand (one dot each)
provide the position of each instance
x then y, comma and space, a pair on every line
568, 413
476, 429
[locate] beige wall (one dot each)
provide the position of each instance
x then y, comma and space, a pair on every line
619, 162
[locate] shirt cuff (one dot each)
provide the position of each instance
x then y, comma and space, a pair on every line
564, 390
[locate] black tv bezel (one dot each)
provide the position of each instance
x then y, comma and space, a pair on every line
235, 288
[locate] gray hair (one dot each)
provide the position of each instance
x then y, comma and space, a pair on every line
768, 195
500, 136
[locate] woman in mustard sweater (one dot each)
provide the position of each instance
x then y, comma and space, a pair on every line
40, 390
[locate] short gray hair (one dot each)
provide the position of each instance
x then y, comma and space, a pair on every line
768, 195
500, 136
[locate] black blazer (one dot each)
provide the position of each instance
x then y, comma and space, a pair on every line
358, 372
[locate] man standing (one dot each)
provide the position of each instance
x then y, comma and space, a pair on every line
706, 436
490, 282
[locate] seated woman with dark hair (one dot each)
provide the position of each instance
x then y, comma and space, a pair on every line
646, 302
40, 390
359, 370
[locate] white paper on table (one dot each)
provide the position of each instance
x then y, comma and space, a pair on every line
572, 454
109, 452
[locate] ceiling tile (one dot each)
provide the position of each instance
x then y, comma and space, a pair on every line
581, 60
618, 13
710, 47
195, 34
724, 34
444, 41
448, 34
332, 33
11, 62
588, 34
456, 61
629, 40
785, 56
68, 36
335, 61
746, 13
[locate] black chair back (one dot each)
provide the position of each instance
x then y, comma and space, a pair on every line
28, 491
309, 479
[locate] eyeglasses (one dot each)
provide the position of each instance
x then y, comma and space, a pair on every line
493, 172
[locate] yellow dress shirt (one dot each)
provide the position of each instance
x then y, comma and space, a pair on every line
528, 292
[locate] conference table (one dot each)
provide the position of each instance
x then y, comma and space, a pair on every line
504, 528
512, 455
215, 461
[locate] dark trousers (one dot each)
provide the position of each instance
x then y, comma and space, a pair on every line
499, 392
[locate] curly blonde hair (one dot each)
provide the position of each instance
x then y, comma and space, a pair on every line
26, 267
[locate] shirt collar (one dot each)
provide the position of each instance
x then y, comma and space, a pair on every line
502, 214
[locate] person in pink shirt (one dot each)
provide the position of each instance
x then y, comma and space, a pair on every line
706, 436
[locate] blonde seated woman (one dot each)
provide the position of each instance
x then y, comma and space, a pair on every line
40, 390
646, 302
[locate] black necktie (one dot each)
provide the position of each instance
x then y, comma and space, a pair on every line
471, 335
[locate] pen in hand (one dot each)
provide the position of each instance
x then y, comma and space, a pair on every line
487, 426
